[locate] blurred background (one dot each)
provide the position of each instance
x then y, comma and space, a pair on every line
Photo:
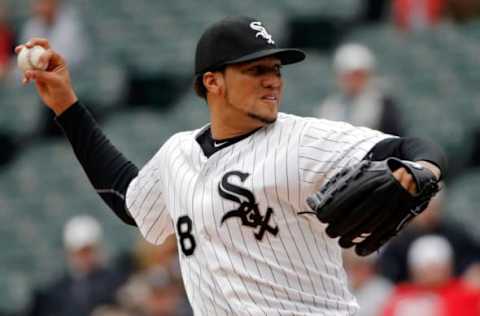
407, 67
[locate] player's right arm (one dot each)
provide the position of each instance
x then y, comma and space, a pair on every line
116, 179
107, 169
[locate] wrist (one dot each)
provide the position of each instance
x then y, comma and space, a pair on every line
65, 104
71, 115
430, 166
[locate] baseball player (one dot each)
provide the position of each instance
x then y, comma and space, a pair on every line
235, 191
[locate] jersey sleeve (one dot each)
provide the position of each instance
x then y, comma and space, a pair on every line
327, 147
145, 200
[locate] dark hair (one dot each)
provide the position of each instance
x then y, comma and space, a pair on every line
198, 85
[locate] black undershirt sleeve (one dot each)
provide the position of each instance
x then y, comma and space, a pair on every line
107, 169
409, 148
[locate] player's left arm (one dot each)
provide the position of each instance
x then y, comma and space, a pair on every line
365, 206
424, 152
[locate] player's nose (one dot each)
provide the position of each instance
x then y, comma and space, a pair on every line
272, 81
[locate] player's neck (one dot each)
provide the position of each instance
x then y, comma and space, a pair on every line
223, 130
227, 123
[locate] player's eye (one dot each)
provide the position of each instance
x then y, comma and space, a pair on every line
256, 70
261, 70
278, 70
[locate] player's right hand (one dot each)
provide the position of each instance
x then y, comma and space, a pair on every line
53, 84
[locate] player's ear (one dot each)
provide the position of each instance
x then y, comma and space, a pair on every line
214, 82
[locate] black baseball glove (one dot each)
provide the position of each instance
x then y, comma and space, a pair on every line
365, 205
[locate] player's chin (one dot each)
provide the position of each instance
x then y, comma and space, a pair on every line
265, 111
269, 107
265, 117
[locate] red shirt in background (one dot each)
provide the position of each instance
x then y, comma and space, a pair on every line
455, 298
6, 44
404, 12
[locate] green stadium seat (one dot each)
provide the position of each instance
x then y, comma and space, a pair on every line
463, 201
20, 107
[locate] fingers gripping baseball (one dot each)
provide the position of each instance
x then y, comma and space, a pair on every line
53, 84
43, 62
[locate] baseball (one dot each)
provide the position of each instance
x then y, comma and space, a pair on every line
29, 58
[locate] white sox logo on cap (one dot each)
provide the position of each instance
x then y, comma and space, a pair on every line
224, 43
262, 31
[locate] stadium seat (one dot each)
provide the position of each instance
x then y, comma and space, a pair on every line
463, 200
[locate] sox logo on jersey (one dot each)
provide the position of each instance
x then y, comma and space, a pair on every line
248, 210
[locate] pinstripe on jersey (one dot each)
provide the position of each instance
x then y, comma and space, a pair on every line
230, 270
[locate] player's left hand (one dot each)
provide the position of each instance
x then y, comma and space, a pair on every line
369, 203
407, 180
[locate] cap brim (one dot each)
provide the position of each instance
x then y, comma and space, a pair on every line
286, 56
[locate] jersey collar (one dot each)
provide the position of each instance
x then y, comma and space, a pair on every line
210, 145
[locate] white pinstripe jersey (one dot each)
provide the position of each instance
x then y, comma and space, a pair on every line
244, 249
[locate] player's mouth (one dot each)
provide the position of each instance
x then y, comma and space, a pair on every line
270, 98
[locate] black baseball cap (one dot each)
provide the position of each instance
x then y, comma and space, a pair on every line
238, 39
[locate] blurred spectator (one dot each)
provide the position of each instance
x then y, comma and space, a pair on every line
370, 289
6, 41
361, 100
393, 259
432, 290
61, 24
374, 10
156, 292
472, 275
155, 286
416, 15
149, 256
475, 159
110, 311
463, 10
166, 294
88, 283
